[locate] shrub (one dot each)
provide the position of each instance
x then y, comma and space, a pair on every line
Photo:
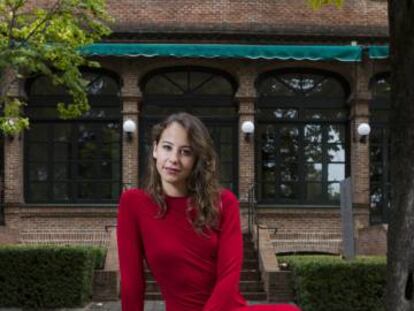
326, 283
46, 276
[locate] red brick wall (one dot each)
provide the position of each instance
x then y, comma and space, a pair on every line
248, 15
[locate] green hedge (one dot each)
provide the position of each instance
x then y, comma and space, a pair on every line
46, 276
327, 283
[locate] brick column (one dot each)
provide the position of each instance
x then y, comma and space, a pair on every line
246, 99
359, 150
13, 170
131, 98
246, 149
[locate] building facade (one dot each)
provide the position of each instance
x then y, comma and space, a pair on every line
306, 79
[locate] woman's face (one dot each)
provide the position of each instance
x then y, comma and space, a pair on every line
174, 158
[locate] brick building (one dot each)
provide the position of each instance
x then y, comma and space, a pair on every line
306, 79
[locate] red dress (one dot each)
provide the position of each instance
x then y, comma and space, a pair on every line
195, 272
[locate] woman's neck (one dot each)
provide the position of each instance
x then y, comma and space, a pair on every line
171, 191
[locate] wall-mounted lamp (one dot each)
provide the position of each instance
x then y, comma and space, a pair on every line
129, 128
363, 131
247, 129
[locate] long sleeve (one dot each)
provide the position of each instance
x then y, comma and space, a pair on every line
225, 295
130, 254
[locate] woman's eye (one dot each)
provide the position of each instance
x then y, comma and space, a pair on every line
186, 152
166, 147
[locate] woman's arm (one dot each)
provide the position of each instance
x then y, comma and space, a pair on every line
130, 253
229, 258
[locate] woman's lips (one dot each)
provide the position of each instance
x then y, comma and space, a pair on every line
172, 171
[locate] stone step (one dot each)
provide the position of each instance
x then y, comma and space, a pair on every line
246, 275
251, 296
245, 286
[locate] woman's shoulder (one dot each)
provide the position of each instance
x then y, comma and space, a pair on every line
228, 200
134, 194
228, 195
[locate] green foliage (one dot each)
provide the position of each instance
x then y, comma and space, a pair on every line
46, 41
46, 276
317, 4
328, 283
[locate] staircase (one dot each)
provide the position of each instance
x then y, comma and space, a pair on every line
251, 285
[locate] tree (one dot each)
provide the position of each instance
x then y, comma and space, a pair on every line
400, 258
46, 40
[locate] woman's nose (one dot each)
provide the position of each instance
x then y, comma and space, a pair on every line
173, 156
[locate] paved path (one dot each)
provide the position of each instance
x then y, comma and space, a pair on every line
107, 306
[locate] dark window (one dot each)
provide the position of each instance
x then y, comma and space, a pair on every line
205, 93
302, 141
379, 148
76, 161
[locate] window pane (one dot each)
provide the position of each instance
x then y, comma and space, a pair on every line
38, 171
336, 153
289, 172
313, 153
110, 152
314, 191
38, 152
313, 133
88, 151
269, 190
61, 132
285, 113
38, 132
324, 115
61, 171
288, 190
61, 191
226, 135
226, 171
226, 152
87, 190
314, 172
161, 86
268, 161
376, 172
336, 172
61, 151
213, 111
87, 170
215, 86
336, 134
334, 193
38, 191
376, 199
102, 113
274, 87
109, 170
269, 175
376, 154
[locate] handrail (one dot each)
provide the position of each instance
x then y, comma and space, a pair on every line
251, 212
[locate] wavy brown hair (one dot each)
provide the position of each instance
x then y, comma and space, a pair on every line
202, 184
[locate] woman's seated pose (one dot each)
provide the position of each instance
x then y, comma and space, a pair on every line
184, 226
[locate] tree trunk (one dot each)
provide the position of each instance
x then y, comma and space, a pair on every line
400, 289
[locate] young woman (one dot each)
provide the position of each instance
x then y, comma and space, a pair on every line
185, 226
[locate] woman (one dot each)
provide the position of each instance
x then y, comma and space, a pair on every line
184, 225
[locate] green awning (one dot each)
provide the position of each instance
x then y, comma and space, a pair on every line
345, 53
379, 51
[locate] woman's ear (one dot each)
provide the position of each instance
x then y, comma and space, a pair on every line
154, 150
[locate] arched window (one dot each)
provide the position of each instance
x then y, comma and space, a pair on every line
379, 149
206, 93
302, 141
76, 161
